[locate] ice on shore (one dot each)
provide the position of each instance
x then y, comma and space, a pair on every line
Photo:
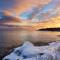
30, 52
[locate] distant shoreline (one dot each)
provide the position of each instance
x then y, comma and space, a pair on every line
50, 29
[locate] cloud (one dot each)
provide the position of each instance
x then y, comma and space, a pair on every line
6, 4
50, 10
18, 6
9, 5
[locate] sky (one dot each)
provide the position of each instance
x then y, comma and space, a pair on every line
39, 12
25, 8
9, 5
16, 6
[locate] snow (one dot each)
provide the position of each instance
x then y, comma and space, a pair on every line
30, 52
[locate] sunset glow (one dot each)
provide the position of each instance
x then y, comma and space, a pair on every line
38, 14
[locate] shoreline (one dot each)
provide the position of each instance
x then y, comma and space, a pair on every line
30, 51
7, 50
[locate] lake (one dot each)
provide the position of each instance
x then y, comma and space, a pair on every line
10, 39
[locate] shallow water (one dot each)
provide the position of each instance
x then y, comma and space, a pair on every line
10, 39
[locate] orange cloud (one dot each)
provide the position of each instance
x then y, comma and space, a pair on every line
23, 5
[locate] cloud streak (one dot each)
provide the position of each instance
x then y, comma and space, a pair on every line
19, 6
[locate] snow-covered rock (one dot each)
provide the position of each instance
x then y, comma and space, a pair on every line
30, 52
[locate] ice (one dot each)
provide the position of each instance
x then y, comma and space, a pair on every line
29, 49
46, 57
13, 56
55, 44
36, 57
30, 52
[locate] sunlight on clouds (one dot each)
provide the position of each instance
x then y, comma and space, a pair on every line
19, 6
50, 23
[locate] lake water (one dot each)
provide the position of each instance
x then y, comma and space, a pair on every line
9, 39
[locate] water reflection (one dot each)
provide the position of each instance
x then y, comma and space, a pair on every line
8, 38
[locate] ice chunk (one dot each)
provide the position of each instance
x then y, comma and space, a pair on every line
30, 52
46, 57
36, 57
24, 47
55, 44
53, 49
13, 56
57, 57
29, 49
33, 58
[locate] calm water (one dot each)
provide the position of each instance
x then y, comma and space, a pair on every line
8, 38
15, 38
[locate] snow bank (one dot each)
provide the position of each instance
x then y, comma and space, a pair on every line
30, 52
